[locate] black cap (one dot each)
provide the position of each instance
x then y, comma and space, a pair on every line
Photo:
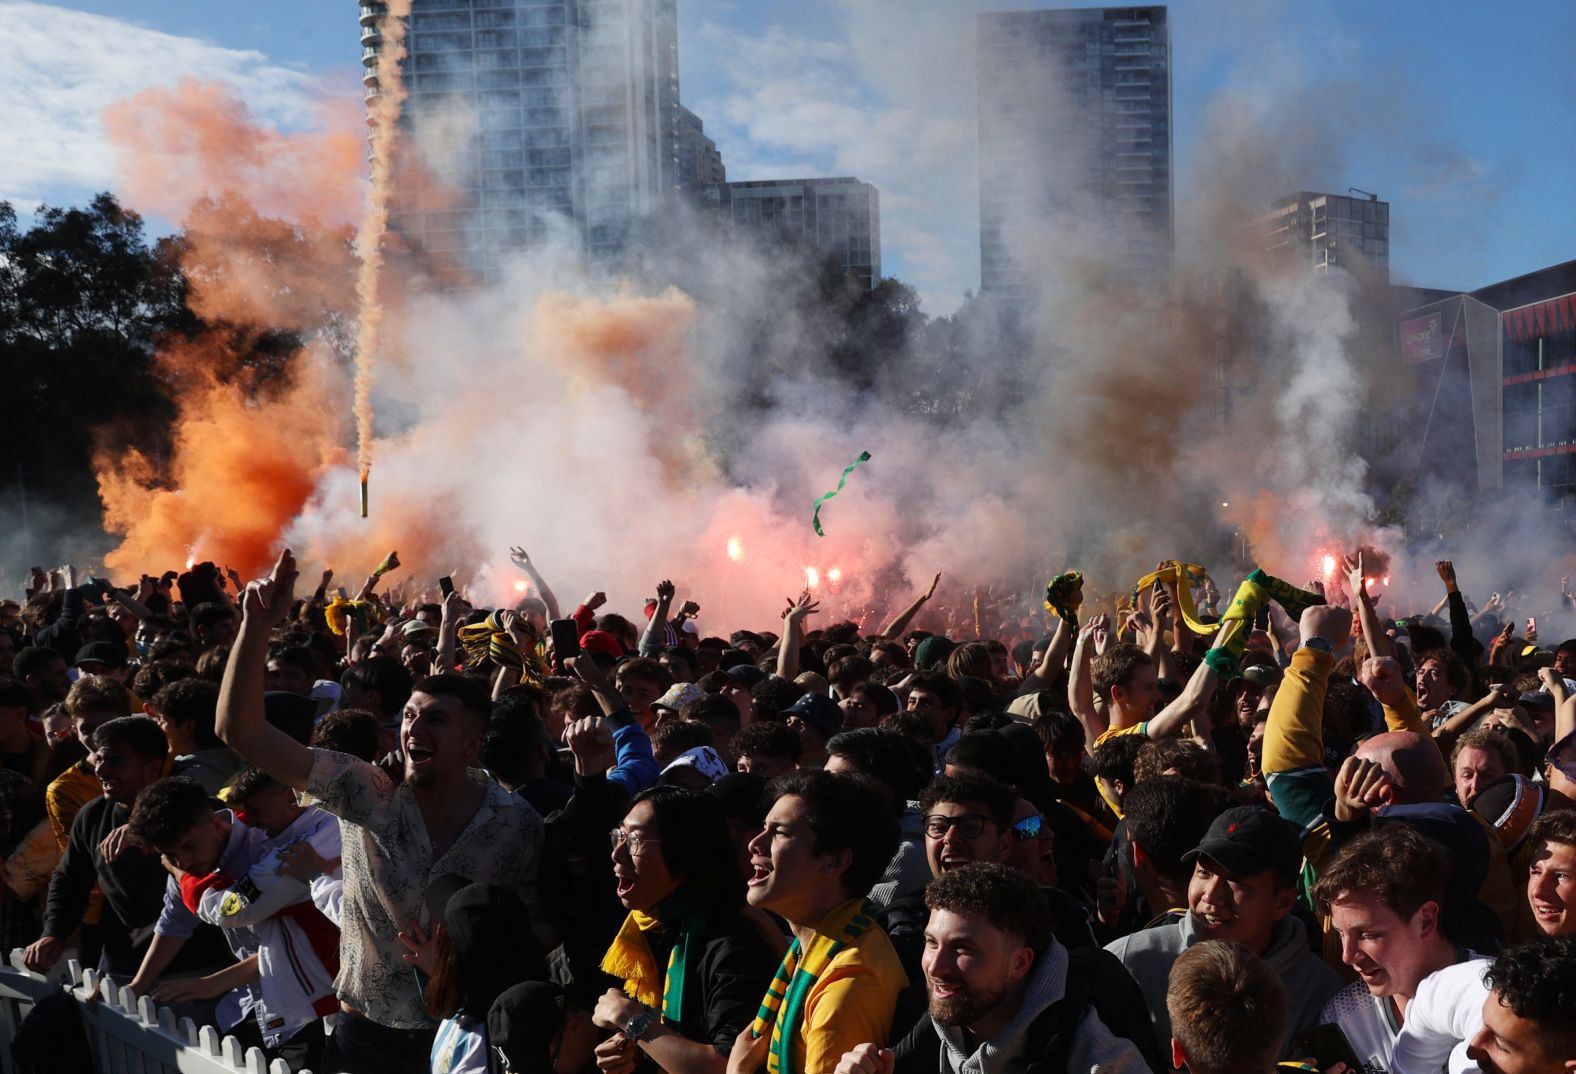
522, 1023
1247, 840
101, 652
745, 675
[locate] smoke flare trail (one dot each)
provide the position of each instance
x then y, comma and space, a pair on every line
383, 116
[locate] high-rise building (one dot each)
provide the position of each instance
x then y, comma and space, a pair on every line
1075, 139
839, 216
1322, 230
700, 165
530, 114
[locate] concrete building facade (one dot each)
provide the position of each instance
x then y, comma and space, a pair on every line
840, 215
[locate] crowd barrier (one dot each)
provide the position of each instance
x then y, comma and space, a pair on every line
126, 1035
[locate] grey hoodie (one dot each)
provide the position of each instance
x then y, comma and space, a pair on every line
1094, 1050
1310, 983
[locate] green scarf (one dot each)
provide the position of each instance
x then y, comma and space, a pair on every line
631, 958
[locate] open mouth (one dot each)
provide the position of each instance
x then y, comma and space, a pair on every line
762, 871
1213, 921
626, 884
1545, 912
943, 990
418, 754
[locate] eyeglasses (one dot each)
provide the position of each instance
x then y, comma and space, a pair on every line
969, 825
1028, 828
636, 843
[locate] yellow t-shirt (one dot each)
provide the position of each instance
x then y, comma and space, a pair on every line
1139, 728
852, 1003
63, 800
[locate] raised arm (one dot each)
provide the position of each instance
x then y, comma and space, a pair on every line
545, 591
1379, 643
793, 634
651, 638
241, 722
449, 630
1461, 640
1080, 684
895, 628
1054, 662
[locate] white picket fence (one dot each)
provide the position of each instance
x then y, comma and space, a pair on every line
127, 1035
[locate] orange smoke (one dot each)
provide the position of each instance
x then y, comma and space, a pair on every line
383, 116
637, 342
180, 144
257, 423
239, 470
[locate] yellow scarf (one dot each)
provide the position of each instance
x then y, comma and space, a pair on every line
1183, 575
630, 957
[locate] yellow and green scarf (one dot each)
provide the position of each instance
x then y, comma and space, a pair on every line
631, 958
782, 1010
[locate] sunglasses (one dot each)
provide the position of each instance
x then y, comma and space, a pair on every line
1028, 828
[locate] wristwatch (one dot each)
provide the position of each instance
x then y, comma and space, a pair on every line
1319, 645
638, 1026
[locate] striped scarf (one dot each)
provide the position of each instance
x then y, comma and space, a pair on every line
631, 958
782, 1010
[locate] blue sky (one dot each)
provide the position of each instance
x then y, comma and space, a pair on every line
1458, 113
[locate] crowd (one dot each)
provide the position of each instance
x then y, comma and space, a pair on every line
393, 832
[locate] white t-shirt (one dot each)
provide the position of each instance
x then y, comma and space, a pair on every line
1442, 1019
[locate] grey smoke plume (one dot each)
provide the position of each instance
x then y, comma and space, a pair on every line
634, 428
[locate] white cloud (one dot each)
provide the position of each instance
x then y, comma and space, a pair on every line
896, 111
59, 69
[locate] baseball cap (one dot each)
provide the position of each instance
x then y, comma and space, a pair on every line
522, 1023
702, 759
818, 711
101, 652
679, 695
1247, 840
745, 675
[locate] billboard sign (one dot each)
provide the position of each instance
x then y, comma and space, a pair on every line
1423, 339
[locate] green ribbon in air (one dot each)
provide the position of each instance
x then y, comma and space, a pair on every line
815, 520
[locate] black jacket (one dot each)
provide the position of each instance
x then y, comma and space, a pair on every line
133, 888
735, 968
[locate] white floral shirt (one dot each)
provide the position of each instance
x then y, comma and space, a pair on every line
388, 864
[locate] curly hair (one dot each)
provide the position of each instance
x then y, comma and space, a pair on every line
1009, 899
167, 809
1187, 758
1537, 980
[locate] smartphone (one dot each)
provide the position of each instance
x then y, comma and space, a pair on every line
445, 585
566, 638
1327, 1045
